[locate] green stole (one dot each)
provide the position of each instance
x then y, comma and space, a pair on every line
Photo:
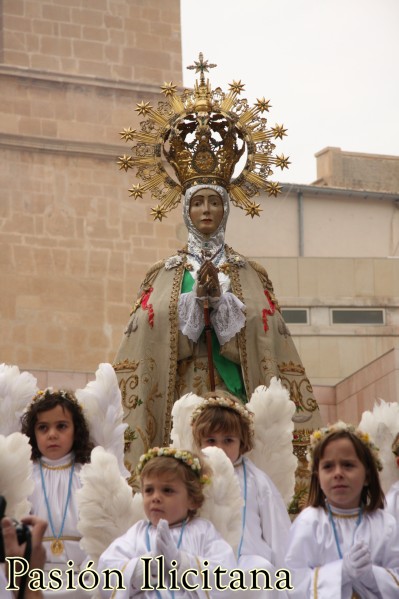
229, 372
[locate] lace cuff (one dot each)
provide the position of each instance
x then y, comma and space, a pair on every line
191, 316
227, 316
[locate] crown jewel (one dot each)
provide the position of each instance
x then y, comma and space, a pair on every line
203, 133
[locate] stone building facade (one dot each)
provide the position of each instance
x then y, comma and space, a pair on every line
74, 247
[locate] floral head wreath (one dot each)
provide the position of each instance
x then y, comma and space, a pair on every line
68, 395
178, 454
319, 435
225, 402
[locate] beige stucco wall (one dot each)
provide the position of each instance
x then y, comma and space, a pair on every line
377, 380
333, 352
335, 223
356, 170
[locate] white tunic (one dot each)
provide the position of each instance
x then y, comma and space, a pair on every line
200, 541
313, 557
56, 474
266, 522
3, 583
392, 498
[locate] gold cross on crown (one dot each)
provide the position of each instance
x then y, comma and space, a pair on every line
201, 66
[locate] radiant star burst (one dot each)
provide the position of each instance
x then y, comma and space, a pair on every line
282, 161
253, 210
158, 212
136, 191
128, 134
262, 104
279, 131
168, 88
125, 162
143, 108
237, 86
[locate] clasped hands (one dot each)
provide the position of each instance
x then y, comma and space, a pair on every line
357, 566
166, 547
208, 281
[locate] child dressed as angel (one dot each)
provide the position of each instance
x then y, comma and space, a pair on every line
60, 441
221, 420
62, 428
172, 484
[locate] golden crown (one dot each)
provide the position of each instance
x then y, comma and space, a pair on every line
203, 133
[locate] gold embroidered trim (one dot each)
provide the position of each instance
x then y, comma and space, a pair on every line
345, 516
174, 340
63, 538
237, 290
266, 282
393, 576
302, 436
315, 582
149, 278
63, 467
125, 365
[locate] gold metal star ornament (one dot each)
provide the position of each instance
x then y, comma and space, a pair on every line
202, 133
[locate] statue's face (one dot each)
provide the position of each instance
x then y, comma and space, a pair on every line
206, 210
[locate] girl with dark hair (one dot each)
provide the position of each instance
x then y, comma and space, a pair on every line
59, 436
344, 544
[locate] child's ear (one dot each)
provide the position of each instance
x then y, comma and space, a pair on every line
192, 505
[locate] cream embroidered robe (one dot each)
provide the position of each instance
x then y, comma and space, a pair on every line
156, 364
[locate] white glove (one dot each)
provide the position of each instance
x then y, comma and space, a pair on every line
164, 543
138, 578
358, 568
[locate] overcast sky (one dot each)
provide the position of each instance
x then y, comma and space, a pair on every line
329, 67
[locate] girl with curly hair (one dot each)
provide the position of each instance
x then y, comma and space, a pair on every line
59, 436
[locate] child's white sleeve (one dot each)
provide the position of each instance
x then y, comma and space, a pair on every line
303, 557
118, 564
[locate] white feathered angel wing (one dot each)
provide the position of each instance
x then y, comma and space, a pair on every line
223, 499
16, 483
382, 425
272, 452
17, 389
181, 433
102, 404
106, 505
